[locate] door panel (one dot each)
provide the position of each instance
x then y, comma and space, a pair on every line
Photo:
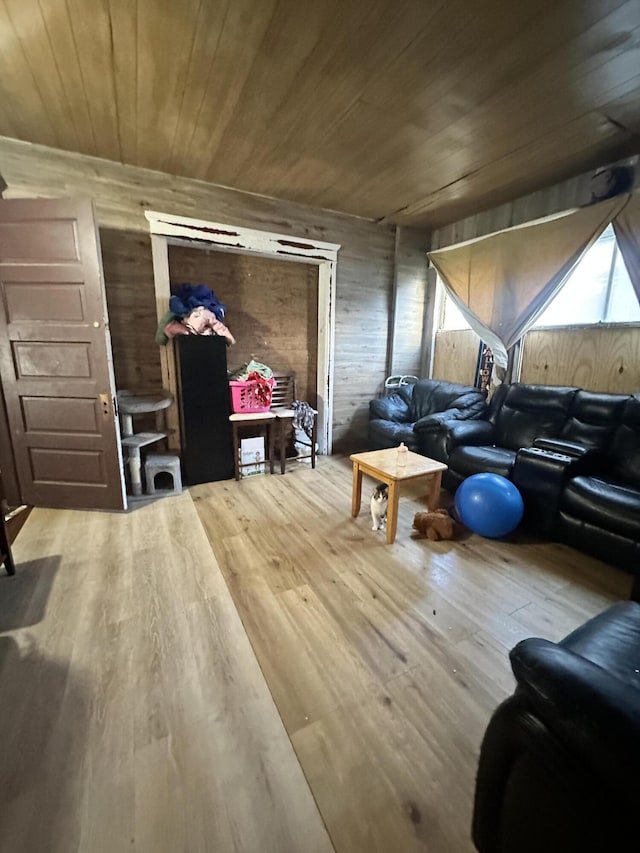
54, 414
51, 361
55, 357
49, 466
40, 240
44, 302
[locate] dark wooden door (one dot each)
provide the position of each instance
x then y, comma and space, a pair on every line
55, 355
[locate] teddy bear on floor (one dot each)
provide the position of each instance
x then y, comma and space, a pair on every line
434, 525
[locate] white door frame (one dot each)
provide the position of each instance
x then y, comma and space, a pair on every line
167, 229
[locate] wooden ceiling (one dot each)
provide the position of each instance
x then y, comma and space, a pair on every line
411, 111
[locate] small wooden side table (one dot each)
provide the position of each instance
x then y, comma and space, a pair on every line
383, 465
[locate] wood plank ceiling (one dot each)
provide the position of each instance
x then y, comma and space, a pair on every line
412, 111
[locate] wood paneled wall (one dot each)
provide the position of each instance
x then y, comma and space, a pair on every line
407, 327
272, 308
574, 192
598, 359
456, 356
122, 194
128, 273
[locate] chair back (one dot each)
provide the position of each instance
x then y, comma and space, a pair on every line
284, 391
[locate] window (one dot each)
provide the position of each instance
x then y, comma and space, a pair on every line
597, 291
451, 315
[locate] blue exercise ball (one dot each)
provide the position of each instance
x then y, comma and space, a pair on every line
489, 505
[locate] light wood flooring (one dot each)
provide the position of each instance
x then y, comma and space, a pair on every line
246, 668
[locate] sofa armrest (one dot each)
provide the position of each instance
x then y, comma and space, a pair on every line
439, 441
541, 476
594, 713
568, 448
433, 422
392, 408
584, 459
467, 432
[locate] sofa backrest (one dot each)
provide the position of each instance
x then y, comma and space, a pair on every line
528, 412
495, 404
594, 418
432, 395
624, 450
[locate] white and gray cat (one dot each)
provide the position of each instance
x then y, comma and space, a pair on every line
379, 501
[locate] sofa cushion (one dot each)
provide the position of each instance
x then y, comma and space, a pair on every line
593, 418
624, 451
469, 460
395, 407
603, 502
432, 395
531, 411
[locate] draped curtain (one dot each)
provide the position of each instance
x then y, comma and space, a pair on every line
503, 282
627, 229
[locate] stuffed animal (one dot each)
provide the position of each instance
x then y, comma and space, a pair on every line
434, 525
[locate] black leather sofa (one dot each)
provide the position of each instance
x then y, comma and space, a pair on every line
560, 760
418, 409
517, 415
574, 455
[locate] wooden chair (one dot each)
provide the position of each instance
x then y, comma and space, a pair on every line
283, 397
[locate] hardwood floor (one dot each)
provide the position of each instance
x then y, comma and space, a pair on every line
137, 716
385, 662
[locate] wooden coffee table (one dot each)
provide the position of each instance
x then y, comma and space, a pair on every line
383, 466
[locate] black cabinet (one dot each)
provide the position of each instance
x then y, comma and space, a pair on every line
203, 390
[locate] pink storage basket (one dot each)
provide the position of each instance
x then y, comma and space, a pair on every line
245, 399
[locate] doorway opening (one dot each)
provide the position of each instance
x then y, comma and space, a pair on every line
176, 231
271, 309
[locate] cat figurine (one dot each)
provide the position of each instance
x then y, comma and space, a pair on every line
379, 501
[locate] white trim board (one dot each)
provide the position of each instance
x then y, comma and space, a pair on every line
167, 229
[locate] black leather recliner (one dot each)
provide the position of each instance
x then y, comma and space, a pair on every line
416, 409
599, 507
559, 767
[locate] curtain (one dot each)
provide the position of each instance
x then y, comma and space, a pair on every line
627, 228
503, 282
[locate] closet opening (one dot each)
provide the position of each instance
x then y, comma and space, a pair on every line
279, 292
271, 308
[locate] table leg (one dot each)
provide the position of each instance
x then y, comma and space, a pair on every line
5, 547
392, 512
314, 438
433, 498
236, 449
9, 565
283, 444
356, 494
270, 426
